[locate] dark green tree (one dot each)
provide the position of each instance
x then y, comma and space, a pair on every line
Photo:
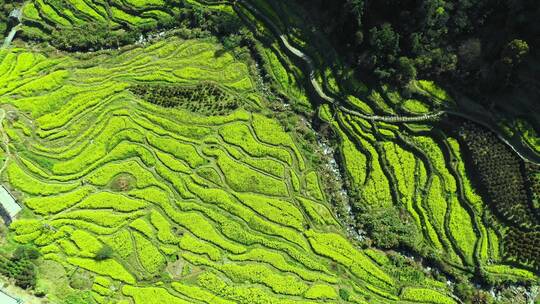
405, 71
389, 227
514, 52
357, 9
106, 252
384, 41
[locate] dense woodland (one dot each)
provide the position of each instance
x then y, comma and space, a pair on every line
479, 46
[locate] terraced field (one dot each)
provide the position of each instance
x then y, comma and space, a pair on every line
44, 16
196, 209
390, 160
159, 173
412, 171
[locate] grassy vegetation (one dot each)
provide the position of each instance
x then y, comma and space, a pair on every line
167, 170
132, 190
425, 174
425, 295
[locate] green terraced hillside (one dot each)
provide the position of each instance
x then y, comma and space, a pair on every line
398, 152
182, 151
193, 207
42, 17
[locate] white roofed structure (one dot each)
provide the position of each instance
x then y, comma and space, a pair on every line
9, 207
7, 299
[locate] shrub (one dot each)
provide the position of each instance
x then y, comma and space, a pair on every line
92, 36
106, 252
204, 98
389, 227
26, 252
20, 267
500, 175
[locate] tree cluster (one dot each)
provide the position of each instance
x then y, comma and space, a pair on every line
480, 42
20, 266
523, 246
532, 172
204, 98
389, 228
93, 36
104, 253
501, 177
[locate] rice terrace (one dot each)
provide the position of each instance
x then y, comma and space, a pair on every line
269, 151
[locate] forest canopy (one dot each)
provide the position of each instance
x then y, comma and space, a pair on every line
476, 45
